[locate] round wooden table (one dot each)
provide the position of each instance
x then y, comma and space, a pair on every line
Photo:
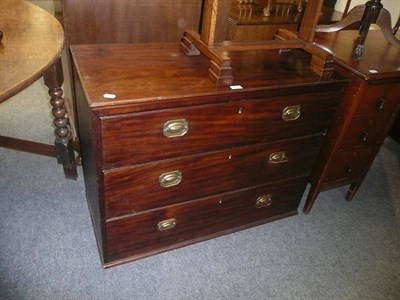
32, 42
30, 47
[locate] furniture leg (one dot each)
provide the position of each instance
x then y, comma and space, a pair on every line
53, 79
312, 196
353, 189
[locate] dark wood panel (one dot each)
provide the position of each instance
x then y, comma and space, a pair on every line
365, 131
138, 235
349, 163
88, 126
134, 189
381, 98
128, 21
135, 138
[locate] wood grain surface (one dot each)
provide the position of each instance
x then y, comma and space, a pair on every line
32, 41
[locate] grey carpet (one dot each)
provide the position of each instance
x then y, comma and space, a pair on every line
27, 115
341, 250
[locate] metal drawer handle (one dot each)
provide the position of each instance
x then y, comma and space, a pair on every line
291, 113
348, 168
166, 224
175, 128
170, 179
364, 136
380, 104
263, 201
278, 158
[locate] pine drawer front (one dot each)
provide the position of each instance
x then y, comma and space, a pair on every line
167, 228
365, 131
349, 163
147, 186
155, 135
382, 98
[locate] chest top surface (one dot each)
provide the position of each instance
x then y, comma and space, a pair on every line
154, 72
379, 60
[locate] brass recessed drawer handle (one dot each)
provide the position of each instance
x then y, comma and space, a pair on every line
364, 136
380, 104
278, 157
291, 113
263, 201
170, 179
175, 128
166, 224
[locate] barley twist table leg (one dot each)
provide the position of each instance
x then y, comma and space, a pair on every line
63, 142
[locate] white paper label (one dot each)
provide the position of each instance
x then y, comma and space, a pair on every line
110, 96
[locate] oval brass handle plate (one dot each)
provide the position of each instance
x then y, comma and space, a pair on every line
263, 201
175, 128
170, 179
291, 113
166, 224
278, 157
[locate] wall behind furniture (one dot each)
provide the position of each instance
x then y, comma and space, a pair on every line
122, 21
45, 4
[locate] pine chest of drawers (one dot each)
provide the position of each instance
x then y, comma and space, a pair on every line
169, 159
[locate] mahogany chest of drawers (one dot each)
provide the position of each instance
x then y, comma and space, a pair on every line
170, 159
370, 105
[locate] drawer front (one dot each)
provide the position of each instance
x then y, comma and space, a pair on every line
155, 135
350, 163
382, 98
162, 183
165, 227
365, 131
